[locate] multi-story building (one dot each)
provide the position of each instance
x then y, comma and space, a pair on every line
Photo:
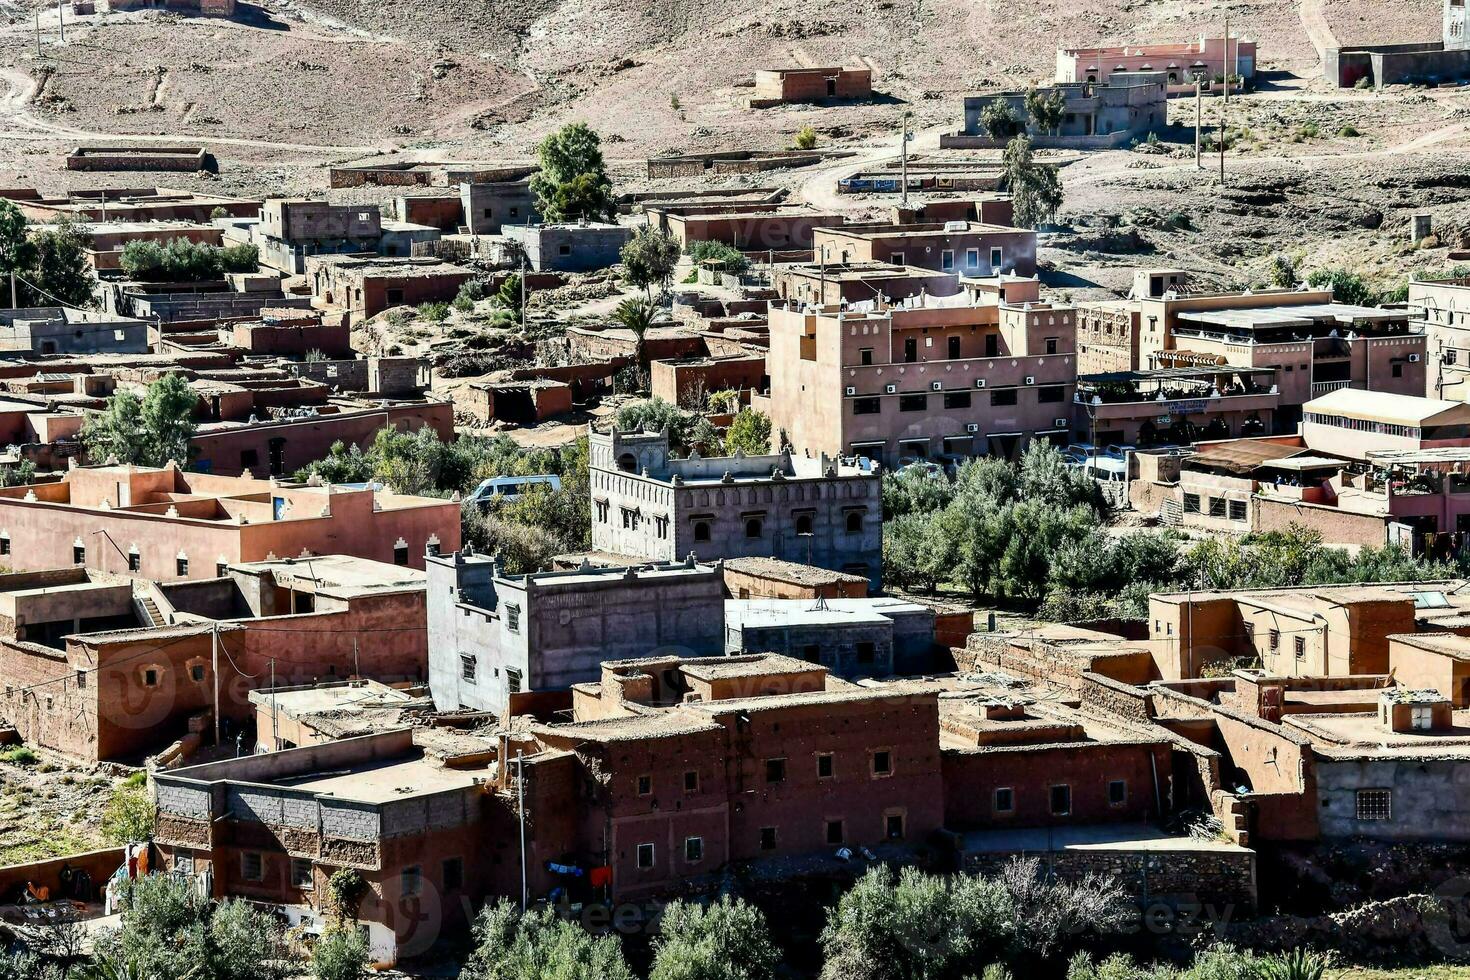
1210, 60
362, 286
1176, 406
494, 636
1441, 310
1125, 106
103, 667
820, 510
1107, 337
970, 248
42, 331
165, 524
825, 284
488, 207
945, 377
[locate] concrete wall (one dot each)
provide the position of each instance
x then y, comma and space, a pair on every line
570, 248
487, 208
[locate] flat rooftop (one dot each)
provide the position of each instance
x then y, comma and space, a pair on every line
1304, 315
1361, 733
342, 575
760, 613
789, 571
384, 781
1103, 837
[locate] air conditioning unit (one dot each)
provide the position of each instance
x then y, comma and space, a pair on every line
936, 385
1060, 423
851, 391
972, 427
891, 389
1413, 358
1030, 379
979, 382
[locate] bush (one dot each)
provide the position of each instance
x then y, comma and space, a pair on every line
805, 139
1349, 131
1363, 83
20, 756
340, 954
734, 260
181, 260
128, 816
434, 312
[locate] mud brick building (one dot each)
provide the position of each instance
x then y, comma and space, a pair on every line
771, 578
128, 204
104, 667
1210, 59
187, 159
780, 86
749, 228
1121, 108
166, 525
970, 248
106, 239
494, 636
40, 331
488, 207
580, 247
362, 286
821, 511
946, 377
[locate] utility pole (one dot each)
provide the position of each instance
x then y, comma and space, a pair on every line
904, 161
38, 34
1225, 101
356, 671
61, 20
214, 666
275, 717
523, 290
1199, 87
14, 296
521, 807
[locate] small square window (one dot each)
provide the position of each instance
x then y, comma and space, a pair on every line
775, 770
645, 855
645, 785
893, 826
512, 681
466, 667
691, 781
866, 653
1117, 792
400, 555
181, 567
834, 832
150, 677
825, 766
196, 672
301, 873
1374, 804
882, 763
513, 618
411, 881
1061, 800
252, 867
1005, 800
5, 544
78, 555
693, 849
768, 838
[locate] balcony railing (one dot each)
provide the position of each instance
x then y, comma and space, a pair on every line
1320, 388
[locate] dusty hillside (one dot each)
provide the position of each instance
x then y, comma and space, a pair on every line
490, 76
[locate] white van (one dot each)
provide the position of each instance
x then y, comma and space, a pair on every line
511, 487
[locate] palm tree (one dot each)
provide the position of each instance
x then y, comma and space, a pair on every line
637, 314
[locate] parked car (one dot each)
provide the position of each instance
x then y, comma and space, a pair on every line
511, 487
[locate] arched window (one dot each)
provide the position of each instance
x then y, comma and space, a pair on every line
701, 530
855, 522
627, 462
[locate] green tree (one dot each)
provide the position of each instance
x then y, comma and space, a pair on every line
508, 296
1046, 108
999, 120
167, 930
572, 182
512, 945
17, 251
649, 258
1283, 271
749, 433
915, 926
340, 954
1036, 190
128, 816
654, 415
726, 940
62, 273
731, 259
146, 432
637, 315
1347, 286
